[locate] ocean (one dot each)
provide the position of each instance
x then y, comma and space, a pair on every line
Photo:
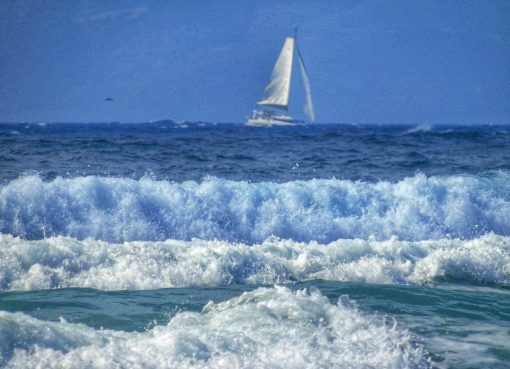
163, 245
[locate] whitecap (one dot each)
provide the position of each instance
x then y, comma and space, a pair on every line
265, 328
60, 262
324, 210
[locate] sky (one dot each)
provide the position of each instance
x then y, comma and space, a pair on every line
382, 62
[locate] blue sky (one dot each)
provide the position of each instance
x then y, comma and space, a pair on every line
415, 62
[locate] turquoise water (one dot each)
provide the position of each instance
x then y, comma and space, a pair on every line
460, 326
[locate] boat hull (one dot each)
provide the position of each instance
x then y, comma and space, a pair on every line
268, 123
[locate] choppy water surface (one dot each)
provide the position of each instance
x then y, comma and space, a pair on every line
162, 246
371, 153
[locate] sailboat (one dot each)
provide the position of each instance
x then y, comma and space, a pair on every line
276, 94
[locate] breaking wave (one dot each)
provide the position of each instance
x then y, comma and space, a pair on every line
64, 262
324, 210
265, 328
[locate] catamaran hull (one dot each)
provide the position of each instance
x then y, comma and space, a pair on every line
268, 123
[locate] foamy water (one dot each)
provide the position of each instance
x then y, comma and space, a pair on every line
120, 209
266, 328
62, 262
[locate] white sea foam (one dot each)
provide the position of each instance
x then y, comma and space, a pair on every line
65, 262
463, 343
265, 328
421, 128
121, 209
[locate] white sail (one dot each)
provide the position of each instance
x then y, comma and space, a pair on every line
308, 107
277, 91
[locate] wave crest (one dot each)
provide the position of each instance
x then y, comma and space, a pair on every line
301, 329
64, 262
120, 209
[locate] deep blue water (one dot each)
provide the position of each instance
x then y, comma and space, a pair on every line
229, 151
163, 245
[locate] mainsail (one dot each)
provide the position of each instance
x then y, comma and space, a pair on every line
277, 91
308, 108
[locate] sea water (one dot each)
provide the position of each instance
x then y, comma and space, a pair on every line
160, 245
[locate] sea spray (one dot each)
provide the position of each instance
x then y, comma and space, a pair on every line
324, 210
265, 328
61, 262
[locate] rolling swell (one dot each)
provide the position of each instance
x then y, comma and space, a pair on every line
324, 210
301, 329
